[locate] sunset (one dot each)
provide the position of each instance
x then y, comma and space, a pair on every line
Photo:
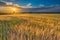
29, 19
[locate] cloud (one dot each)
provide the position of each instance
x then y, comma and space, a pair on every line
54, 5
3, 3
9, 3
41, 8
29, 4
26, 6
50, 9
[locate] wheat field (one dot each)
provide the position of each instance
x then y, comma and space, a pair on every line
30, 27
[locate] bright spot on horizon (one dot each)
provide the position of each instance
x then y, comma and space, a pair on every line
14, 9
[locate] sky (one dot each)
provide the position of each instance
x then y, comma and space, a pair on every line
35, 3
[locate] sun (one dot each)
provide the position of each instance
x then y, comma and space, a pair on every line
14, 9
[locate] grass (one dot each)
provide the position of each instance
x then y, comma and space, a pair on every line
31, 27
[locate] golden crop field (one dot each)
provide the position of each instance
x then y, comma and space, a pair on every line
30, 27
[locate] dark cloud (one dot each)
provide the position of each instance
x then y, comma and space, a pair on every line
2, 3
43, 9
